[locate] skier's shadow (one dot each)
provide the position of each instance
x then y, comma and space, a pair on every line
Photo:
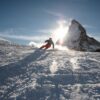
32, 57
19, 67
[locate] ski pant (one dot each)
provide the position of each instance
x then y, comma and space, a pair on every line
46, 46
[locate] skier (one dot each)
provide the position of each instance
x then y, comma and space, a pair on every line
48, 44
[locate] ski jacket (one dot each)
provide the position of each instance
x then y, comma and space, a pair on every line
50, 42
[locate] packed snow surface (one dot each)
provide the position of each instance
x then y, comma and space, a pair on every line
32, 74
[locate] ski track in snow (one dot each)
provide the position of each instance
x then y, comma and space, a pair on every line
51, 75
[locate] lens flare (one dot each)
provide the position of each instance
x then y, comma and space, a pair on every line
60, 32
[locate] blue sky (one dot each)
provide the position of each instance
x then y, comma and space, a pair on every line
23, 21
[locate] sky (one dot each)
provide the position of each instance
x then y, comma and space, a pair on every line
22, 21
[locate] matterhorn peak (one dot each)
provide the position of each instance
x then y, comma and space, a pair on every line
77, 38
74, 21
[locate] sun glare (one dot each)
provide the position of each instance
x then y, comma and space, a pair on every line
60, 32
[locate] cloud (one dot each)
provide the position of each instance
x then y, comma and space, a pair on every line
88, 26
42, 34
56, 14
26, 37
45, 30
8, 31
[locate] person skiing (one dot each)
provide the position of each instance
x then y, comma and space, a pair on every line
48, 44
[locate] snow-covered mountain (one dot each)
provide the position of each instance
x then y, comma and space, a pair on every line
4, 41
31, 74
77, 38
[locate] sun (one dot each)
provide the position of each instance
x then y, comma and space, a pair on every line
60, 32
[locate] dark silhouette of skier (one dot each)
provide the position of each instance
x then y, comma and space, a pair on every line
48, 44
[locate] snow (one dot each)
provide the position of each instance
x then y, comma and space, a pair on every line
53, 67
32, 74
2, 39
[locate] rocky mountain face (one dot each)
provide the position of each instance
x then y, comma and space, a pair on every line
77, 38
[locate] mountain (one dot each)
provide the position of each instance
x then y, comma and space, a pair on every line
77, 38
4, 41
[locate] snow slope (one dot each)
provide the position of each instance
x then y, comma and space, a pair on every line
49, 75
